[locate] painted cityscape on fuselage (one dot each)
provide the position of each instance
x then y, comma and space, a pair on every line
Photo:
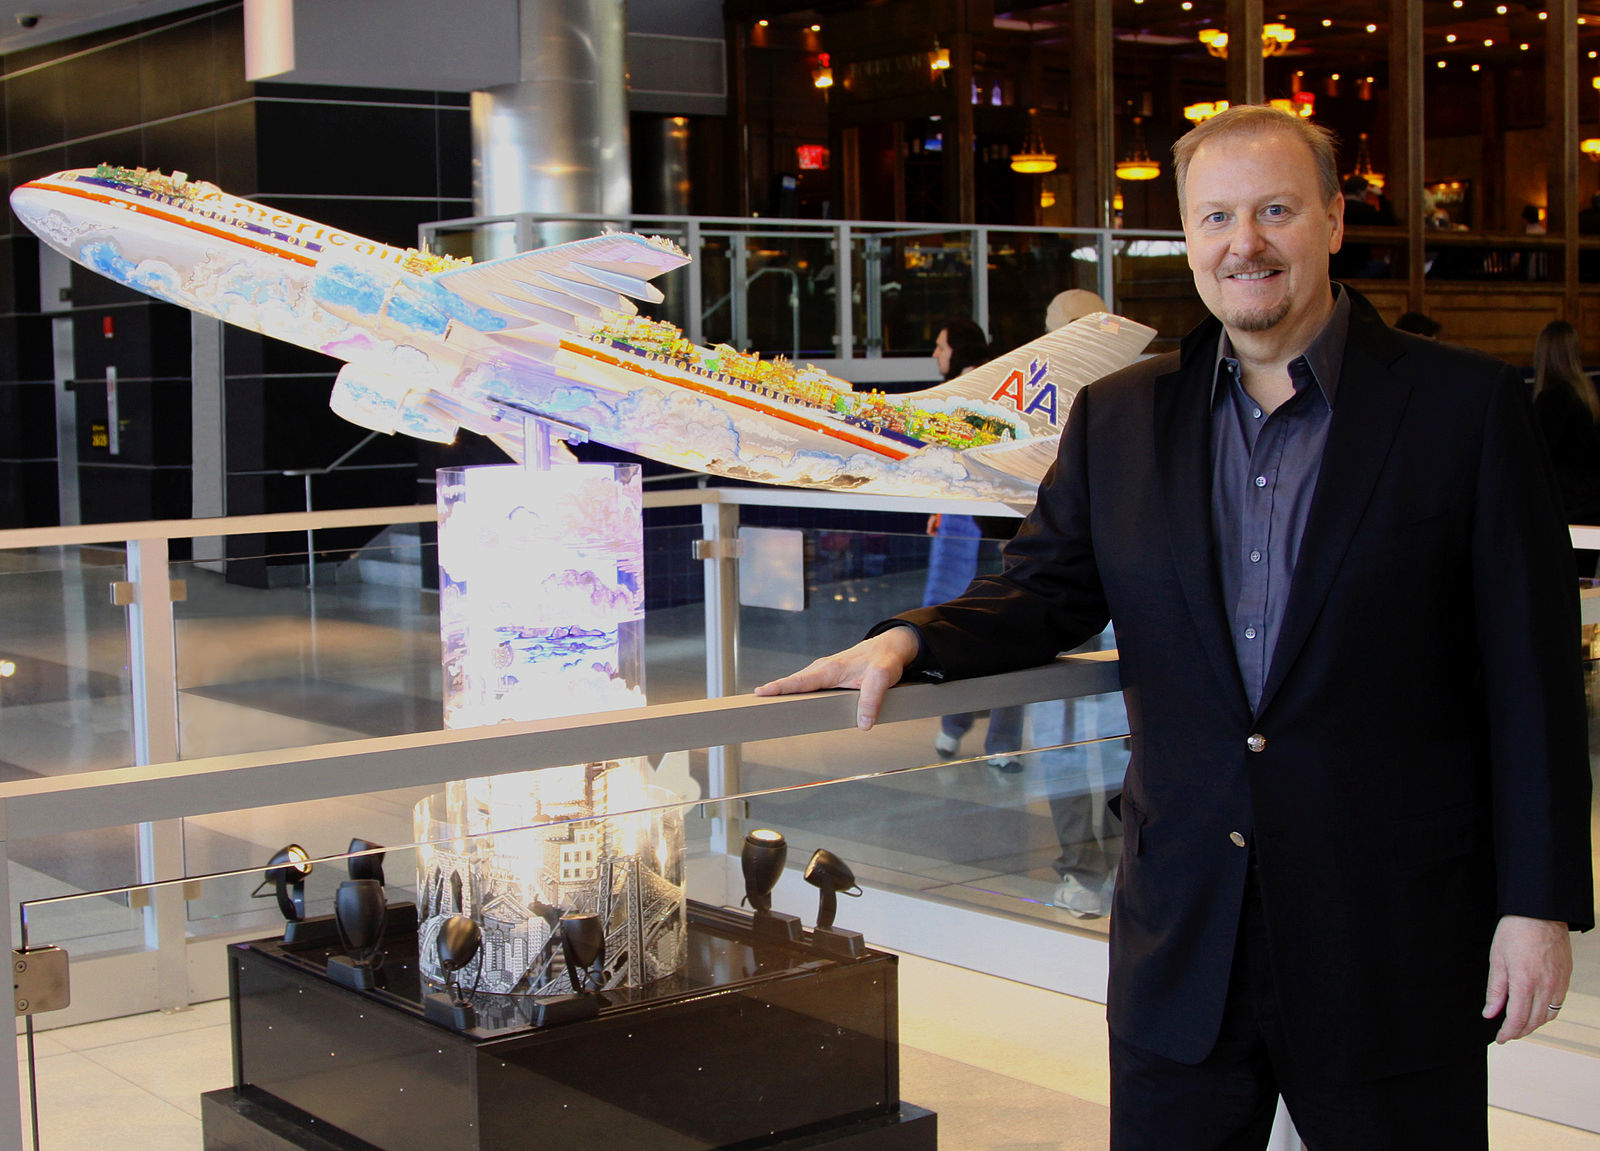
432, 344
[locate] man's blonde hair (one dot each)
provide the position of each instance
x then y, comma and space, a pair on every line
1256, 120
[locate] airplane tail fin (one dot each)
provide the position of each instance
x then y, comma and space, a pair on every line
1038, 381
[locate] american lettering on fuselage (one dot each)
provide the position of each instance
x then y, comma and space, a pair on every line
432, 344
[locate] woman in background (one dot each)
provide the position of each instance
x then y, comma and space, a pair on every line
1567, 410
953, 562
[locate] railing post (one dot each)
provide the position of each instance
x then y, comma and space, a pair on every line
845, 288
980, 280
739, 301
718, 550
1108, 275
872, 293
691, 246
11, 1130
152, 662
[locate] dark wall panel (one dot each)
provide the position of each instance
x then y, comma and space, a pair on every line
123, 148
112, 494
27, 421
100, 91
36, 109
28, 495
360, 150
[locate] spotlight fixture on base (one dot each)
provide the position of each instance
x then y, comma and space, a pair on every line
286, 877
359, 909
762, 858
583, 947
457, 943
366, 860
832, 875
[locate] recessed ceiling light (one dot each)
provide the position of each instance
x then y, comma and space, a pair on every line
1372, 27
1327, 23
1475, 67
1450, 38
1544, 15
1522, 47
816, 27
1488, 43
1441, 63
762, 23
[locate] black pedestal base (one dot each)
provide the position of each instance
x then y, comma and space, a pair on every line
251, 1120
759, 1043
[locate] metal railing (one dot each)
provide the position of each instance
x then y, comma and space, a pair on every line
159, 789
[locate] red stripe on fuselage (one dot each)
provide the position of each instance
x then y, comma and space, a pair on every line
833, 430
173, 218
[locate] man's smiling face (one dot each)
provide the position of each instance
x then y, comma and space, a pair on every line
1260, 233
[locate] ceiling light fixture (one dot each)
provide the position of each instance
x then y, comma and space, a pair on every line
1032, 159
1137, 164
1275, 40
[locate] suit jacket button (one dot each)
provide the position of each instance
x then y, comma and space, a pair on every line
1238, 840
1256, 742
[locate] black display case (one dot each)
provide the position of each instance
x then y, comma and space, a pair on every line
758, 1043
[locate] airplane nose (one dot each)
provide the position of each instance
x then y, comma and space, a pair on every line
32, 200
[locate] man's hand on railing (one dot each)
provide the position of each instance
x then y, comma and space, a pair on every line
873, 666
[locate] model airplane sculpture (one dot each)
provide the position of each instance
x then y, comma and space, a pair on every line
432, 344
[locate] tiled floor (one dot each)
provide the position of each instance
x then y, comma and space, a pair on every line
1007, 1067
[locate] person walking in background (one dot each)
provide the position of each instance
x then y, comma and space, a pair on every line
1079, 779
953, 562
1567, 410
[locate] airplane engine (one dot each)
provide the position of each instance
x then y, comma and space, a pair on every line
384, 404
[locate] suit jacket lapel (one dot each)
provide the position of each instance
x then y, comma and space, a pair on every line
1371, 400
1183, 448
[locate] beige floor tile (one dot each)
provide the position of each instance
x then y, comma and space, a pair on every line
1509, 1131
84, 1107
982, 1111
175, 1068
1040, 1037
133, 1028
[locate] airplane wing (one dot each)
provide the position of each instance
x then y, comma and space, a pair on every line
584, 278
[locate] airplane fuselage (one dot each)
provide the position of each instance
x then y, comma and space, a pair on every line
431, 344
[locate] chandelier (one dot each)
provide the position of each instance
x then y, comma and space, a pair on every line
1275, 40
1137, 164
1033, 159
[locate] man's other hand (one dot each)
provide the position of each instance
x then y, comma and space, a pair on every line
873, 666
1530, 963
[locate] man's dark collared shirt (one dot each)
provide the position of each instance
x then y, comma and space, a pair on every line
1263, 474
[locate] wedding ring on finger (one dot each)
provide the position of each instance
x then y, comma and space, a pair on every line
1554, 1007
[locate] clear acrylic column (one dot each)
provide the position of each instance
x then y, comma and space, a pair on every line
541, 606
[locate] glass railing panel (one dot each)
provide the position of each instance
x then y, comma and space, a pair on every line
905, 283
675, 612
264, 661
851, 579
1580, 1013
769, 291
1026, 271
956, 831
65, 689
1153, 284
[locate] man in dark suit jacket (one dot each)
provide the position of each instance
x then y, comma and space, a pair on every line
1356, 814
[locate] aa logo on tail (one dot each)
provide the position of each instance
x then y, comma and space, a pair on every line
1019, 384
